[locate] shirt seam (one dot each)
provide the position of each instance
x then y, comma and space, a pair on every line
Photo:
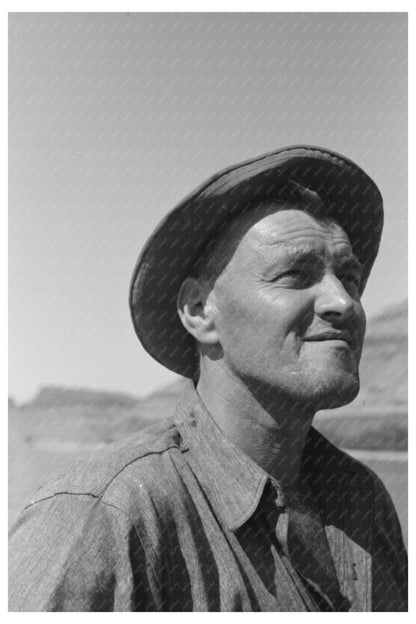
60, 493
109, 482
98, 491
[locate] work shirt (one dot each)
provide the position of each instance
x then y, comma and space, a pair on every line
177, 518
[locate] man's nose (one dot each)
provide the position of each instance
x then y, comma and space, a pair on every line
333, 302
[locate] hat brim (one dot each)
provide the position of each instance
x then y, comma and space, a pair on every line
351, 198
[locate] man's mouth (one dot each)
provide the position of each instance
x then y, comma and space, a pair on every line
329, 335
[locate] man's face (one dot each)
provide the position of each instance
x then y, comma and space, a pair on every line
287, 308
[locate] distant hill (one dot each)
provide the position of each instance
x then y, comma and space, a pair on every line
384, 363
57, 396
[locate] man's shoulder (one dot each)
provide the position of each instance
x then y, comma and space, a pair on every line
141, 453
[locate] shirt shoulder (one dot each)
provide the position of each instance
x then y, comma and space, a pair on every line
141, 453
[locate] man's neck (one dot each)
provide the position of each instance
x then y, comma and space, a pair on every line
271, 430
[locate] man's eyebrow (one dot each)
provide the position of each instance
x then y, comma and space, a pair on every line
305, 256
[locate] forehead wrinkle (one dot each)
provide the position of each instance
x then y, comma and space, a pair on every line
305, 241
257, 220
263, 230
308, 233
305, 245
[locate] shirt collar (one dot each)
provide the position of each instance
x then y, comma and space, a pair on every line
233, 483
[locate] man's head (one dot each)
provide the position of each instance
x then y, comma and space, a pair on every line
277, 182
275, 300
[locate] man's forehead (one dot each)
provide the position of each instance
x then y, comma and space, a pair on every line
292, 228
273, 230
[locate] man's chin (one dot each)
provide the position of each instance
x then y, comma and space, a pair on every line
339, 394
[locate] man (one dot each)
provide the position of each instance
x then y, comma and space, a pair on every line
250, 288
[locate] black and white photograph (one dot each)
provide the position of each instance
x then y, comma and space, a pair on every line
207, 311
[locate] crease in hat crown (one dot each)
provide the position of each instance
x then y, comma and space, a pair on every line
352, 198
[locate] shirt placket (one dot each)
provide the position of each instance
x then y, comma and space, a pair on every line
278, 521
321, 590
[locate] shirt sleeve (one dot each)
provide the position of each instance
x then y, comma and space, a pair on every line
74, 552
389, 555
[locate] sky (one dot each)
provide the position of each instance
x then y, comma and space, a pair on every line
114, 118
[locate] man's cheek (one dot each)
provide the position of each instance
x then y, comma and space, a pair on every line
236, 311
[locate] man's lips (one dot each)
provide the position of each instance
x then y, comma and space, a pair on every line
329, 335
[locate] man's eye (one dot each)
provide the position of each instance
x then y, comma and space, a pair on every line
351, 281
294, 276
293, 273
350, 277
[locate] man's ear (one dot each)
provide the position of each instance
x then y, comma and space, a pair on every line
195, 312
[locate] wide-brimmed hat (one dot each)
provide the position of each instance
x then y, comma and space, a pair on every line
350, 197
